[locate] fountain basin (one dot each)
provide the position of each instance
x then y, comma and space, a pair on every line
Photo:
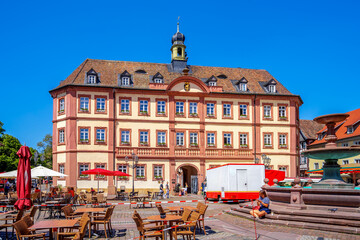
332, 153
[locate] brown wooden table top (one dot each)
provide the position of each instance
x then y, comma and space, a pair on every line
168, 217
55, 223
89, 210
181, 208
52, 202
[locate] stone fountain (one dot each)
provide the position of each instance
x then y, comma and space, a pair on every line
331, 190
331, 153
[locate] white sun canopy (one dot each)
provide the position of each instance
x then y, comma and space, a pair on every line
41, 171
37, 172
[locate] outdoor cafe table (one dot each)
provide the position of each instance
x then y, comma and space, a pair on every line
51, 208
168, 220
179, 209
90, 211
51, 224
140, 200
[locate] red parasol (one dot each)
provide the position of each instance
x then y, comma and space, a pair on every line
23, 184
120, 174
98, 171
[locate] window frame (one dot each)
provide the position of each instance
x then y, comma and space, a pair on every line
231, 139
286, 140
271, 139
272, 88
231, 110
157, 138
244, 146
162, 172
90, 75
192, 115
148, 137
125, 78
247, 116
179, 114
271, 111
348, 128
142, 112
123, 178
157, 100
286, 112
96, 141
61, 111
197, 139
125, 113
316, 164
206, 112
61, 165
79, 103
78, 171
61, 143
96, 103
215, 139
145, 173
123, 143
79, 135
184, 139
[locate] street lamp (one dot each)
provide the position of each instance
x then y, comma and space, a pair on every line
266, 160
135, 161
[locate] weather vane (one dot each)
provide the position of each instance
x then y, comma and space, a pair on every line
178, 23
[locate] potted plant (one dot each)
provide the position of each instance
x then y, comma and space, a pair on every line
124, 111
123, 177
162, 144
144, 112
227, 145
61, 111
125, 143
100, 140
211, 144
84, 109
211, 115
179, 113
143, 143
244, 145
161, 112
158, 177
84, 140
193, 114
140, 176
193, 144
283, 145
84, 176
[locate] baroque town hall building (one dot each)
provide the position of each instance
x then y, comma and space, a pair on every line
179, 120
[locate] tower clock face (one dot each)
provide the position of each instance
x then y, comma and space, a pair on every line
187, 86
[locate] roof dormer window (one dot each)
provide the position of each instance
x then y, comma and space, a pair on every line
272, 88
158, 78
125, 79
242, 85
92, 77
212, 81
350, 129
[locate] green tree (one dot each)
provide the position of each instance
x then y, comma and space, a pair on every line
8, 158
45, 149
2, 130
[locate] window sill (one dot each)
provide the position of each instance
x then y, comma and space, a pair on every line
161, 145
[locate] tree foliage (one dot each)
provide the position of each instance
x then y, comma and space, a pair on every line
2, 130
8, 158
45, 147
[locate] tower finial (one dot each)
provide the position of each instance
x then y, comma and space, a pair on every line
178, 23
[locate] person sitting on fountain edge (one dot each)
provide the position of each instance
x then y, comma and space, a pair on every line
263, 202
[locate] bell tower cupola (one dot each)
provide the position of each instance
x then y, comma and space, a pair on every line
178, 55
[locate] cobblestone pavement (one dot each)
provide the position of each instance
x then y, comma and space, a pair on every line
223, 226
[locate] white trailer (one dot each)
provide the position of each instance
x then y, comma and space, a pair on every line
235, 181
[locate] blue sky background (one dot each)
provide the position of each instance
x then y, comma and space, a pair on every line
312, 47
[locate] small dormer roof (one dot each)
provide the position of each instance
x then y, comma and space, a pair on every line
270, 82
158, 75
211, 79
125, 74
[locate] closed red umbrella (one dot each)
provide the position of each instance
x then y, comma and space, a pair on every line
23, 184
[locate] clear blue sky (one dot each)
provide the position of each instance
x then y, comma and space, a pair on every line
312, 47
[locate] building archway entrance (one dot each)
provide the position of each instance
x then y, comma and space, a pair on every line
189, 176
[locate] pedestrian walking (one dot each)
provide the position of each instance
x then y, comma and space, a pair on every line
167, 190
162, 189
